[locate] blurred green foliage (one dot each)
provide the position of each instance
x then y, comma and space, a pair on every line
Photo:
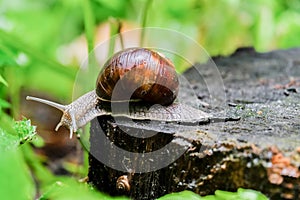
16, 181
31, 32
13, 168
241, 194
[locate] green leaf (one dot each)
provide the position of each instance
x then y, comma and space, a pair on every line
21, 132
15, 181
25, 130
248, 194
36, 164
38, 141
7, 141
4, 104
241, 194
68, 188
181, 195
7, 55
224, 195
2, 80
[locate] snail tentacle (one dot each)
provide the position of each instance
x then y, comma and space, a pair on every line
78, 113
50, 103
67, 119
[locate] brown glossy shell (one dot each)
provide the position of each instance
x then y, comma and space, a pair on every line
138, 73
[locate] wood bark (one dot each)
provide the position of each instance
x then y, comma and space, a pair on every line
260, 151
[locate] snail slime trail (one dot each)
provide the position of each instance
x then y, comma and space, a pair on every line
148, 76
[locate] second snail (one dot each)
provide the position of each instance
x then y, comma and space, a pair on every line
142, 77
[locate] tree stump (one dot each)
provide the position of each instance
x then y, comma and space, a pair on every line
260, 151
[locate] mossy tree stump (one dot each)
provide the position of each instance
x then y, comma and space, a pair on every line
260, 151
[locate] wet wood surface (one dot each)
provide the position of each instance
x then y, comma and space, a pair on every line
252, 141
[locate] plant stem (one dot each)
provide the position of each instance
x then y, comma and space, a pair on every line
89, 24
115, 28
144, 20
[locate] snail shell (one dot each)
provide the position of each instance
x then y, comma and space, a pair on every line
150, 77
147, 74
123, 184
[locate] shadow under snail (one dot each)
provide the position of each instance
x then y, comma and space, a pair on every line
147, 75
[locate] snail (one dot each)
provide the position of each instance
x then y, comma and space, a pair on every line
150, 77
123, 184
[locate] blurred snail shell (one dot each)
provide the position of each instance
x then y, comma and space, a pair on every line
147, 75
123, 184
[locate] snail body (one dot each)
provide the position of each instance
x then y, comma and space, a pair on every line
142, 77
